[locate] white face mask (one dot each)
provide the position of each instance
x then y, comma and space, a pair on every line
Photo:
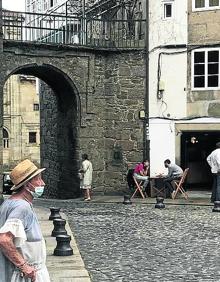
38, 191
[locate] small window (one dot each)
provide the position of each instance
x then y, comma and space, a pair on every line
36, 107
199, 4
51, 3
32, 137
168, 11
5, 138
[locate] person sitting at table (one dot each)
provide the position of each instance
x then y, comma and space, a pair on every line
141, 173
174, 173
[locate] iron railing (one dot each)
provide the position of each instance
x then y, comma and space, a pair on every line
71, 30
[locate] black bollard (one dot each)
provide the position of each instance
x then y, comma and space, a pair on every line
59, 227
1, 199
63, 247
216, 206
127, 200
160, 204
54, 213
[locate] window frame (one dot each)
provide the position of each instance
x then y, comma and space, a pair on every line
29, 135
5, 138
168, 2
206, 8
164, 10
206, 50
36, 107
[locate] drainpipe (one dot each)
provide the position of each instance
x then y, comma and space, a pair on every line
146, 140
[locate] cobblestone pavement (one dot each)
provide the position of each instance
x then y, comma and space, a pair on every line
129, 243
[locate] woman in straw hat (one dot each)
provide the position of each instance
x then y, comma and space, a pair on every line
22, 247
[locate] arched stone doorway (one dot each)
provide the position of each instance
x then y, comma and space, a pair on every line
59, 126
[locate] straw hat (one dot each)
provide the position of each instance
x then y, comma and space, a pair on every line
23, 172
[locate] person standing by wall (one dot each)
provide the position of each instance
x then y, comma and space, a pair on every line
22, 246
214, 162
86, 177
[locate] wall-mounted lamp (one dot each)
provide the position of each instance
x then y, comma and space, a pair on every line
193, 140
161, 89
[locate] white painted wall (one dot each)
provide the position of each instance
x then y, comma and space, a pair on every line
173, 74
171, 63
167, 31
172, 67
162, 144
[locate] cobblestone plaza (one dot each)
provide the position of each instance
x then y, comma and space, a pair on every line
140, 243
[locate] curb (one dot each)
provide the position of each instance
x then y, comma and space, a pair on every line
61, 268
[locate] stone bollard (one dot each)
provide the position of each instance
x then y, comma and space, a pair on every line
160, 204
54, 213
127, 200
59, 227
63, 247
216, 206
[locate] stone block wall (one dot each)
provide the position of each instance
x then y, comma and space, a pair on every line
109, 130
89, 103
203, 32
113, 134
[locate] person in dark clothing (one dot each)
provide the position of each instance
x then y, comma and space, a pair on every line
174, 173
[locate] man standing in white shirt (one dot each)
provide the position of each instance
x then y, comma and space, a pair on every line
214, 161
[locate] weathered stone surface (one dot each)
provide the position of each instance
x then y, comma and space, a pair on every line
89, 104
202, 95
214, 109
199, 108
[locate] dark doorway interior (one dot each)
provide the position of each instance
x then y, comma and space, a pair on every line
195, 147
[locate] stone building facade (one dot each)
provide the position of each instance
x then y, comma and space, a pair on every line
20, 106
196, 136
184, 86
204, 58
21, 121
95, 96
91, 106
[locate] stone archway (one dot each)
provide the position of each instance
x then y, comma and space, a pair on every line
59, 119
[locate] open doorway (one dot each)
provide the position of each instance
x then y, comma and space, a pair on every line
51, 140
195, 147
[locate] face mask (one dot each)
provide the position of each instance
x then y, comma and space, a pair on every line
38, 191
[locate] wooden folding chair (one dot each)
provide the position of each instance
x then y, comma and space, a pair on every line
157, 187
138, 188
179, 185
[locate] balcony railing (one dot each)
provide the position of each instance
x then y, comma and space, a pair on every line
71, 30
